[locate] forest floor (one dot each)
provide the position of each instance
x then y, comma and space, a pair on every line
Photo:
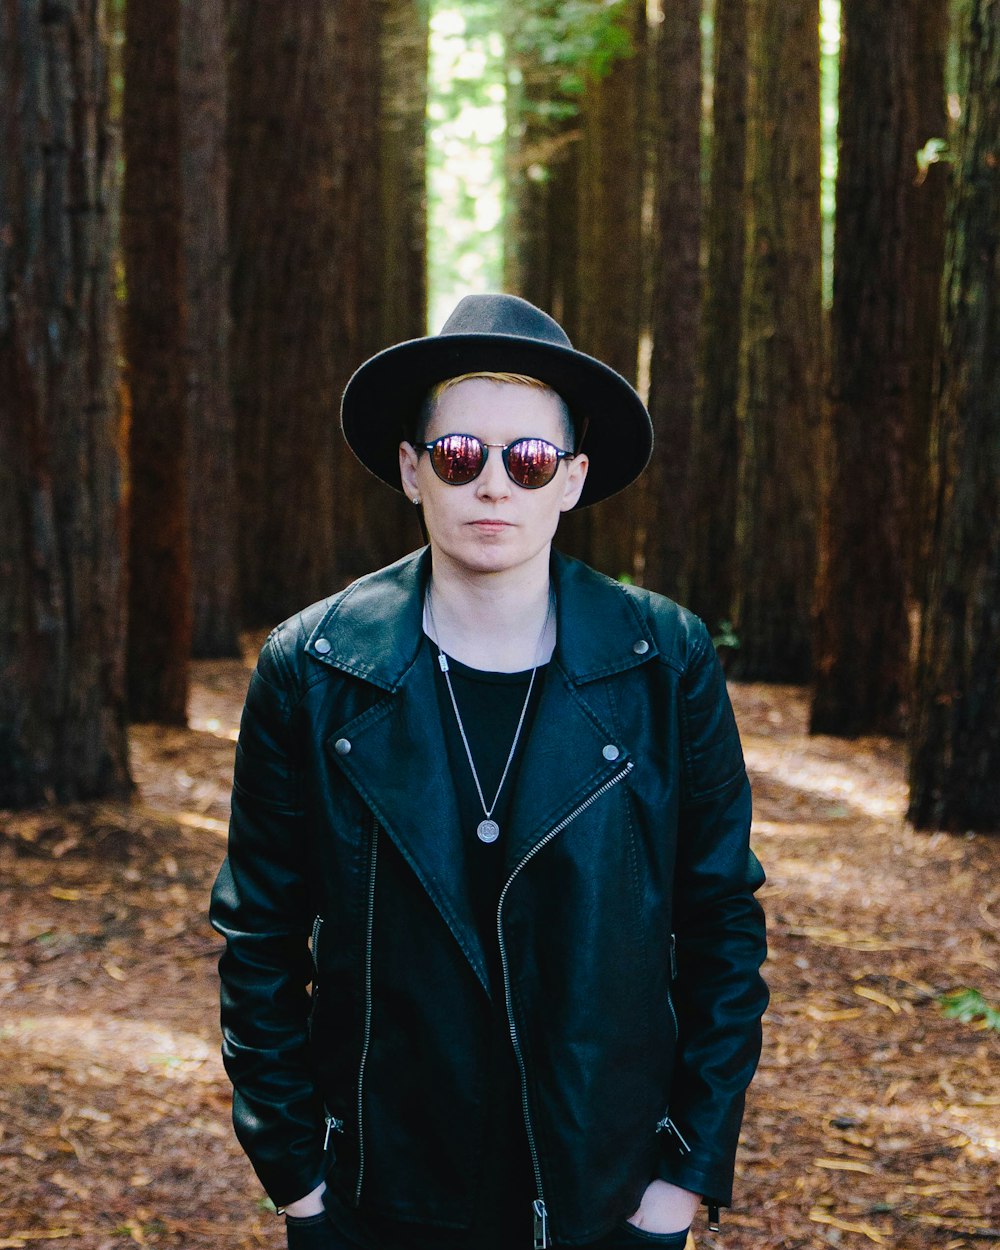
874, 1119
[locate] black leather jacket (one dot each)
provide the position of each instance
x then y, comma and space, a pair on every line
630, 937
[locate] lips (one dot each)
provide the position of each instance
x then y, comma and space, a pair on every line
491, 527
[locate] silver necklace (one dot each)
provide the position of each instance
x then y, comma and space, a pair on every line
487, 830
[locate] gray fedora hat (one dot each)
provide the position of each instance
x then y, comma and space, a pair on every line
498, 334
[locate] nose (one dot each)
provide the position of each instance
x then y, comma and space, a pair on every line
493, 482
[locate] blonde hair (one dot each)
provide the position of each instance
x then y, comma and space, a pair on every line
512, 379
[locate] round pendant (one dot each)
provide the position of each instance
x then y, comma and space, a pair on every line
487, 831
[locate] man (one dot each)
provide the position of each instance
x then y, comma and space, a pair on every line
492, 806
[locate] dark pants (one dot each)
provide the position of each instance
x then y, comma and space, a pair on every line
318, 1232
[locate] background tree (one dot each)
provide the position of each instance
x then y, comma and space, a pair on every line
159, 582
62, 653
781, 354
955, 740
926, 215
288, 306
381, 260
211, 467
862, 638
676, 311
715, 436
609, 274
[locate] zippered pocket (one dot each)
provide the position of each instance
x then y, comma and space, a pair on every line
314, 952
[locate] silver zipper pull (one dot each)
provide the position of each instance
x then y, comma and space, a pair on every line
666, 1125
541, 1224
332, 1125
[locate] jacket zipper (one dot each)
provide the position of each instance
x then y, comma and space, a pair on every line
540, 1215
368, 1013
673, 977
314, 951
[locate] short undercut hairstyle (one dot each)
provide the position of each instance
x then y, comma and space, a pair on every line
429, 405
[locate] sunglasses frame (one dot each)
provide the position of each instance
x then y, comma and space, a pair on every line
504, 449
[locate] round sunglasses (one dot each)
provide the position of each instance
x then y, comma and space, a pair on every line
460, 458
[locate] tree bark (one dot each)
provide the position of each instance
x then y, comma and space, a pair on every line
862, 627
62, 625
781, 353
709, 578
955, 738
211, 468
609, 279
290, 310
676, 309
159, 596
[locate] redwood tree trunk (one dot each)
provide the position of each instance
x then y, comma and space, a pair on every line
287, 303
211, 468
609, 274
709, 579
676, 293
955, 739
159, 596
62, 627
781, 354
862, 633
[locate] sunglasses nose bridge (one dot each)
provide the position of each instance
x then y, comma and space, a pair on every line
493, 478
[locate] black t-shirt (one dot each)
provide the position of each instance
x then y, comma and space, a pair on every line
490, 706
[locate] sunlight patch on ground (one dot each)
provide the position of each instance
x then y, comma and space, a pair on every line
123, 1045
828, 780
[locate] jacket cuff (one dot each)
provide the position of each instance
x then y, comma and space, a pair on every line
700, 1177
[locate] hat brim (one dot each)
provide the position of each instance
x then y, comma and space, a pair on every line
382, 401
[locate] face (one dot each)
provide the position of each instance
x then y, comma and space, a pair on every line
492, 525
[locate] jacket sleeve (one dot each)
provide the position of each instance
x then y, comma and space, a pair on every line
720, 939
260, 906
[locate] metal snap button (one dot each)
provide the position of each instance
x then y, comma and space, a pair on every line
611, 752
322, 645
342, 746
640, 647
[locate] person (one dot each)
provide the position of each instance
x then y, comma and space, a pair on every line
491, 974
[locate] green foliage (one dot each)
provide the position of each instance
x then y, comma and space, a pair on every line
726, 637
969, 1006
934, 151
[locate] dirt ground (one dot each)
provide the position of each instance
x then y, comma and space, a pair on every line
874, 1119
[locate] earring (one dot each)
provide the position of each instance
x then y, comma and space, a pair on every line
416, 500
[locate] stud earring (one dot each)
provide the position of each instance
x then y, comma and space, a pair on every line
416, 500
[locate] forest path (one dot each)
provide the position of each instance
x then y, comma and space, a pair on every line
874, 1120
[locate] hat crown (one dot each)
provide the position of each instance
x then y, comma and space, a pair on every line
505, 314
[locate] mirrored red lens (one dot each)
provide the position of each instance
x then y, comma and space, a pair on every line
457, 458
532, 462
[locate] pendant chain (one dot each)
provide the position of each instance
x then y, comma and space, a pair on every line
488, 830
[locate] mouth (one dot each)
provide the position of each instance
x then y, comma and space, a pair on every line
490, 526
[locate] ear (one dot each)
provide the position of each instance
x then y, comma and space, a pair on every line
408, 469
576, 475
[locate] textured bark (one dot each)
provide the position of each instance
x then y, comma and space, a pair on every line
955, 739
676, 292
609, 291
211, 468
62, 631
159, 595
709, 579
290, 311
927, 200
862, 630
781, 353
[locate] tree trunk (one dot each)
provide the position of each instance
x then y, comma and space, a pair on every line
609, 274
288, 304
381, 100
862, 630
926, 211
955, 738
709, 579
781, 353
62, 627
211, 468
676, 292
159, 599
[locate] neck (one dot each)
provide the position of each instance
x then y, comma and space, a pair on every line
494, 622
